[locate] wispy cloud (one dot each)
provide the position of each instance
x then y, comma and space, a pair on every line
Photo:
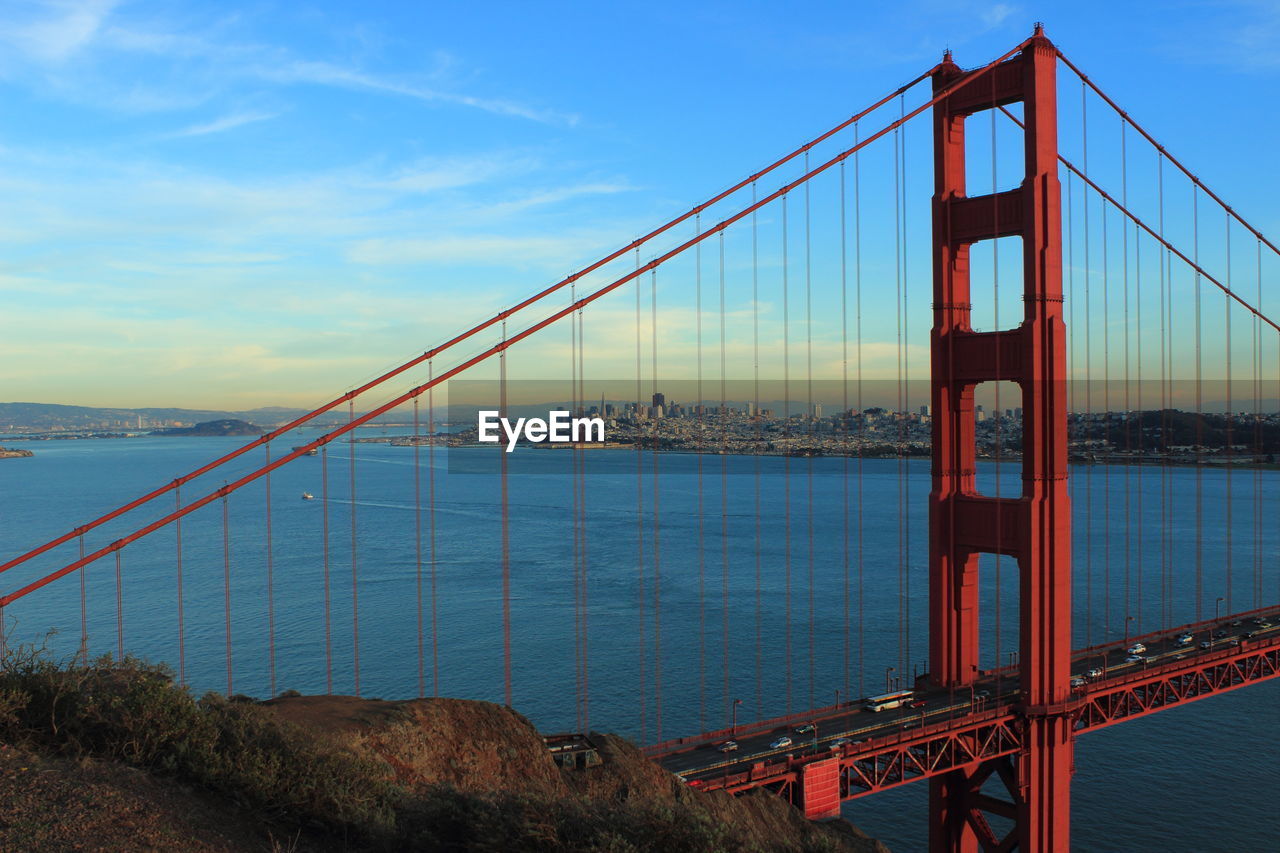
328, 74
474, 249
555, 196
997, 14
57, 30
227, 122
1247, 38
207, 55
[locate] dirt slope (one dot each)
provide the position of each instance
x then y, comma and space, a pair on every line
53, 804
487, 751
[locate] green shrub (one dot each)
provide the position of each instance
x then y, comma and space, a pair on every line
133, 712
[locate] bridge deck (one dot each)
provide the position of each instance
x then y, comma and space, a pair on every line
878, 750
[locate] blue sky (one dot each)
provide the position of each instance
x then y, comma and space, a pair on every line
239, 204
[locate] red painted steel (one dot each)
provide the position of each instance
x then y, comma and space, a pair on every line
1157, 688
1035, 528
972, 747
820, 789
893, 760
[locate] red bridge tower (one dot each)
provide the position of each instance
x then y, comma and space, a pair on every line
1035, 528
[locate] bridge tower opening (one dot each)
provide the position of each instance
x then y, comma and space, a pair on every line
1035, 527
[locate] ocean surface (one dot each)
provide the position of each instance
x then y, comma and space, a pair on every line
723, 550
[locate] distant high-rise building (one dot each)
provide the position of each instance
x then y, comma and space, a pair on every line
816, 410
659, 399
925, 410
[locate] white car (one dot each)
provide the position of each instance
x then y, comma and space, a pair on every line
1136, 649
1185, 640
780, 742
728, 746
1095, 672
1077, 682
1134, 658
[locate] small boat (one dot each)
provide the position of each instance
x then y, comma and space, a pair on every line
312, 452
307, 496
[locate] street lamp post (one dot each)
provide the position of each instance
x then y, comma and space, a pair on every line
733, 731
1217, 605
1127, 620
888, 671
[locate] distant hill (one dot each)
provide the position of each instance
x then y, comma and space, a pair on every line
226, 426
43, 417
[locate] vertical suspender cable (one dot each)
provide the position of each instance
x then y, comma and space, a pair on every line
355, 577
844, 421
582, 510
582, 526
120, 607
786, 432
271, 604
702, 555
1166, 380
906, 484
575, 457
657, 555
755, 368
1073, 413
1141, 513
417, 544
431, 530
724, 506
84, 610
226, 585
328, 609
1257, 444
1200, 415
810, 416
506, 531
897, 298
1088, 373
1128, 412
1226, 305
640, 573
182, 633
1108, 441
862, 418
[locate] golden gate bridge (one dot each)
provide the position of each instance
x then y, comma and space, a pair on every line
1141, 301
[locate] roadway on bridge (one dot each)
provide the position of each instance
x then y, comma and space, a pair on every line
850, 723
